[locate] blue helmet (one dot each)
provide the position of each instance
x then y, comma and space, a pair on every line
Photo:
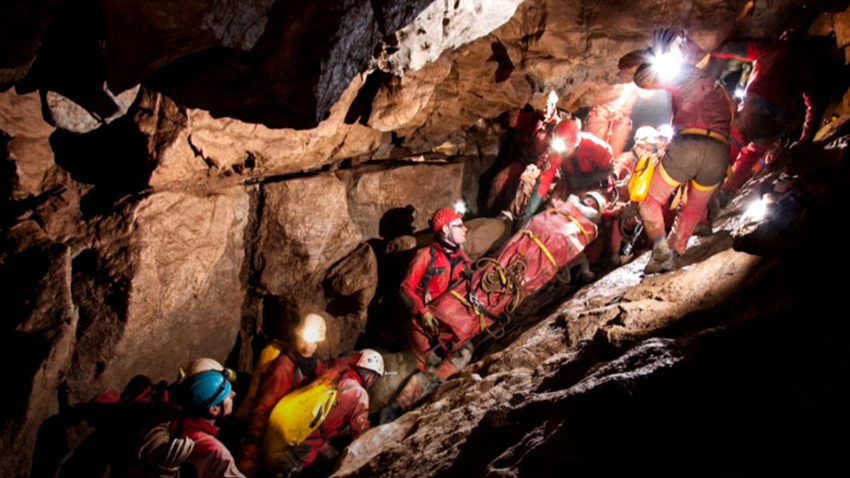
205, 390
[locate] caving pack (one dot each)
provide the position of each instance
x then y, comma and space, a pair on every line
298, 414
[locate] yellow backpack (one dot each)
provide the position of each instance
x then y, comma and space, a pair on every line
298, 414
641, 178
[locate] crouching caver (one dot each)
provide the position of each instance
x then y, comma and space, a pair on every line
349, 407
208, 396
295, 367
431, 273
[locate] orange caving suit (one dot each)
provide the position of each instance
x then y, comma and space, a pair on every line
698, 153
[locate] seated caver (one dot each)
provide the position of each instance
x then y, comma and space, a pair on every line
349, 407
294, 368
207, 396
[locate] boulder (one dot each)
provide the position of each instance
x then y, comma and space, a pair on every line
164, 289
377, 191
29, 143
304, 229
350, 284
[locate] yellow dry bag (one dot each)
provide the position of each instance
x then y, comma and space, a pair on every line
300, 413
641, 178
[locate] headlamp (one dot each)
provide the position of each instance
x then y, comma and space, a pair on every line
665, 131
668, 64
311, 335
739, 93
558, 145
758, 209
460, 208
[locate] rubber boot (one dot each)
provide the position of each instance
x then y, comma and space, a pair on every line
662, 258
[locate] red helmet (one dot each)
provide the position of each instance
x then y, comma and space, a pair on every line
567, 131
443, 217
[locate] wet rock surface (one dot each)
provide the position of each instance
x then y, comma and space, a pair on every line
732, 377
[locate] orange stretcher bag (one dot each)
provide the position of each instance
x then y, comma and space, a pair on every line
532, 257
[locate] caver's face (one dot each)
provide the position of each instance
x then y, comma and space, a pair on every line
642, 150
455, 231
304, 348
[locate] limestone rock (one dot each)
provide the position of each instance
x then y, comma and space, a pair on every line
70, 116
343, 333
40, 320
224, 147
140, 40
379, 190
401, 244
305, 228
443, 26
350, 284
29, 143
399, 104
163, 293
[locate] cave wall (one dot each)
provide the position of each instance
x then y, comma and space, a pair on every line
106, 288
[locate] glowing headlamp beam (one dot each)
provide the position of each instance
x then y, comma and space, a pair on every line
559, 145
460, 208
310, 335
757, 210
668, 64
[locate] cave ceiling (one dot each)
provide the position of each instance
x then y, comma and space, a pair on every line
268, 88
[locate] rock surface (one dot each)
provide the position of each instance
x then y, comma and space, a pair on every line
70, 116
40, 319
182, 261
305, 228
425, 188
701, 376
29, 143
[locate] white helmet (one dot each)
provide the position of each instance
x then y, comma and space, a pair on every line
646, 135
204, 365
370, 360
312, 328
598, 198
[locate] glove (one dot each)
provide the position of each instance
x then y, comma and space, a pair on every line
662, 38
429, 322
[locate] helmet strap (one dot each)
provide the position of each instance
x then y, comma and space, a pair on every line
444, 240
